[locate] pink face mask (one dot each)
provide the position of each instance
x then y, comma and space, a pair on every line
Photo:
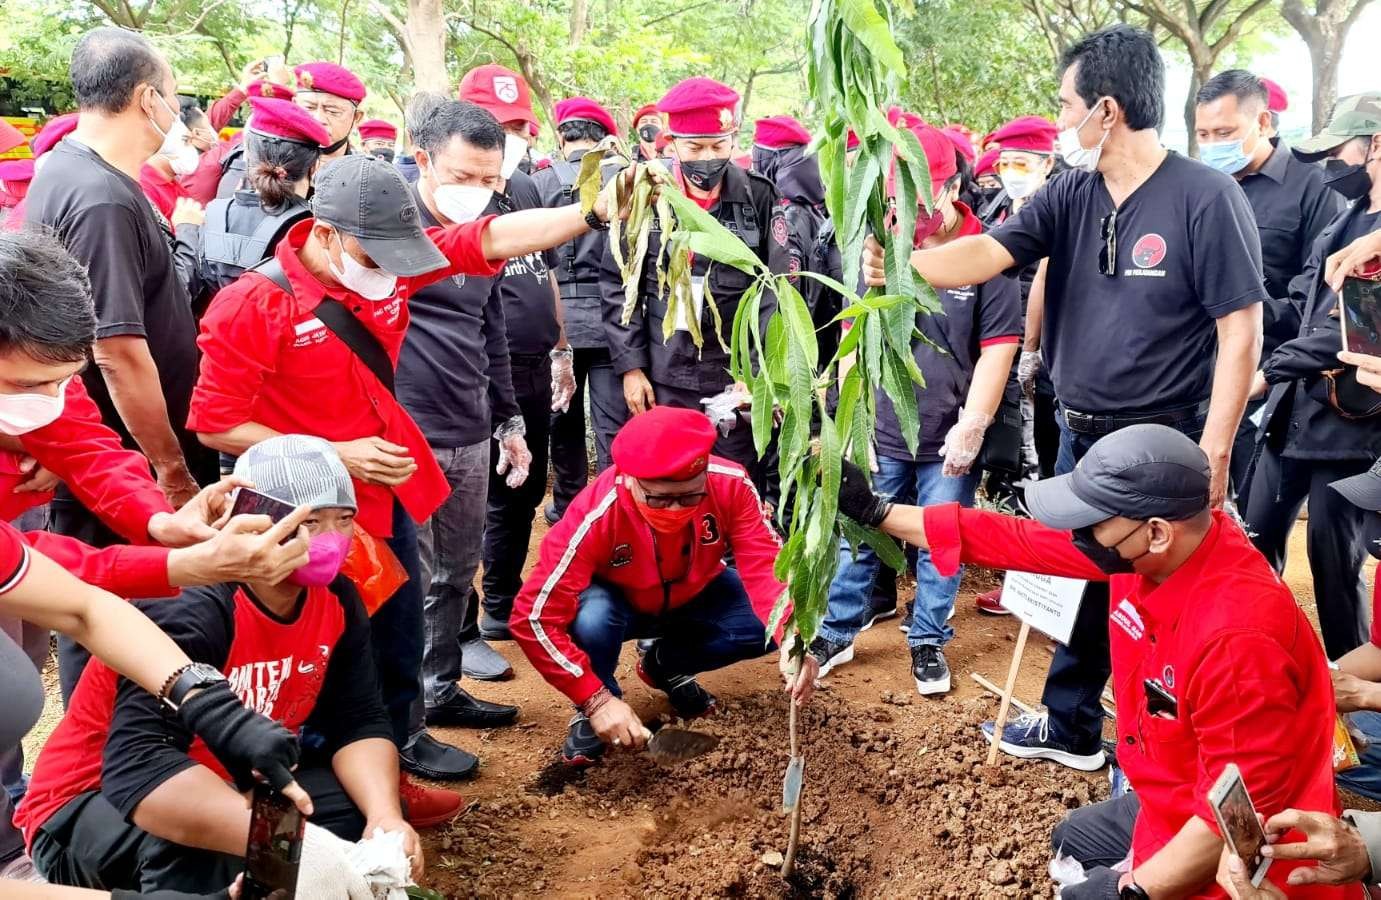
325, 555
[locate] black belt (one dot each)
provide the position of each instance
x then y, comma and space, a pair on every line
1094, 423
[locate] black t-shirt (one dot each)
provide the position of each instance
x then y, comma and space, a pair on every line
104, 220
1144, 339
1292, 206
529, 302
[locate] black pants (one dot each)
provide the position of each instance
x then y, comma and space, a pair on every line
1246, 450
1098, 836
89, 844
1279, 487
1047, 426
570, 463
508, 520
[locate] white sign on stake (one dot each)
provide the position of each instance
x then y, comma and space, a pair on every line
1047, 603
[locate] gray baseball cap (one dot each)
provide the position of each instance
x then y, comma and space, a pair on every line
1358, 115
298, 469
368, 198
1140, 472
1363, 491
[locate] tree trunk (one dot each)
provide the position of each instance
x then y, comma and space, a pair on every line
1325, 58
580, 17
426, 39
1195, 82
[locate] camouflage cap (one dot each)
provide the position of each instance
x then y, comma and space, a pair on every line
1356, 116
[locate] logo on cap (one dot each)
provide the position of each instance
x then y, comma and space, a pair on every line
266, 89
304, 78
1149, 251
726, 118
506, 88
698, 463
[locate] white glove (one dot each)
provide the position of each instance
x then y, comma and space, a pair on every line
723, 408
963, 442
514, 457
326, 872
562, 379
1027, 367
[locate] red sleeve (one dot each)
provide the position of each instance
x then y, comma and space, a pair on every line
224, 109
201, 185
133, 572
547, 604
162, 193
756, 547
957, 535
109, 479
463, 246
239, 345
14, 557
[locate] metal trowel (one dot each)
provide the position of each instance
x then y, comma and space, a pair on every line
679, 744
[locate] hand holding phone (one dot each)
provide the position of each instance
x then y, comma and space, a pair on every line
1359, 314
1237, 821
274, 856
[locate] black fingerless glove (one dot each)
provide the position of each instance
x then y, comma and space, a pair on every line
242, 740
857, 500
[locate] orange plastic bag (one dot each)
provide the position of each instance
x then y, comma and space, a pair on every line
374, 569
1345, 754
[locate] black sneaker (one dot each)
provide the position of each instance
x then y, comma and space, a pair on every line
879, 609
829, 653
930, 670
465, 711
552, 514
429, 758
1028, 737
688, 698
582, 747
905, 623
493, 628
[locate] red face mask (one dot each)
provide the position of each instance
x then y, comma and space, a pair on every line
926, 225
669, 520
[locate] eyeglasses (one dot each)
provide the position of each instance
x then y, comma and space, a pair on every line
666, 501
1019, 166
1107, 257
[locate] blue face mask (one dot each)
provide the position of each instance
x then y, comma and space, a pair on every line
1229, 157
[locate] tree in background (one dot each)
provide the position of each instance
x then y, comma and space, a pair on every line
1324, 30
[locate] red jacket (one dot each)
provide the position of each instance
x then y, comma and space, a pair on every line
109, 479
603, 537
127, 571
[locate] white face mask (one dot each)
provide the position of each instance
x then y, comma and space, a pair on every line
371, 284
1075, 154
461, 203
1019, 187
23, 413
175, 138
514, 149
185, 160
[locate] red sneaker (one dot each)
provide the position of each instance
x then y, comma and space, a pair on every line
991, 603
426, 806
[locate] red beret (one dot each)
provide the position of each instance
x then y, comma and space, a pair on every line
987, 163
644, 111
1276, 101
852, 141
533, 130
52, 132
1033, 134
10, 137
271, 90
501, 91
666, 443
939, 156
699, 107
660, 143
959, 140
329, 78
583, 108
286, 120
900, 118
377, 128
776, 132
16, 170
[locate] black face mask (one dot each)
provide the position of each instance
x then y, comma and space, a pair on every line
704, 174
1371, 535
332, 148
1107, 559
383, 153
1352, 182
648, 133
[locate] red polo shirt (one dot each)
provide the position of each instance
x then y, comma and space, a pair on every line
267, 358
1223, 636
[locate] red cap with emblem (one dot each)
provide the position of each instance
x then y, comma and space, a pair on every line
54, 131
329, 78
644, 111
1031, 134
666, 443
286, 120
776, 132
583, 108
700, 107
501, 91
372, 129
271, 91
1276, 101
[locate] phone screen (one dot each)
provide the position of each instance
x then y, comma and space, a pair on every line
1361, 316
252, 503
275, 847
1237, 819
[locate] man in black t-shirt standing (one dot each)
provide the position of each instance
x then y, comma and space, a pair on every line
1152, 315
88, 193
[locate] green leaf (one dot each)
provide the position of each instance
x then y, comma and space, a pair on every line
830, 467
763, 404
887, 549
898, 385
800, 326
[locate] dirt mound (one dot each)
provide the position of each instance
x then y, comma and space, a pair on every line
897, 803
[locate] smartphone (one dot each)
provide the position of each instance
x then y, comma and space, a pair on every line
1360, 316
252, 503
275, 847
272, 62
1236, 816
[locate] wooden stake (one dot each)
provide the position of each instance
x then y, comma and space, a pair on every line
789, 863
1001, 721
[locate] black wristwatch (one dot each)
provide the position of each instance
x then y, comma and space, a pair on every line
187, 679
1133, 891
595, 222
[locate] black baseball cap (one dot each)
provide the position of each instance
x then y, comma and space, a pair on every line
1363, 490
368, 198
1140, 472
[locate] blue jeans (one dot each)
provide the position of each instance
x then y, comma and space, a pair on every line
853, 582
716, 629
1366, 778
396, 631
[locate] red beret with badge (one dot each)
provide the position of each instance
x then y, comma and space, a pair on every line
329, 78
700, 107
776, 132
1030, 134
1276, 100
285, 120
378, 129
53, 131
270, 90
501, 91
585, 109
643, 112
666, 443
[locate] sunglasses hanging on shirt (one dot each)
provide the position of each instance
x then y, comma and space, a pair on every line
1107, 256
